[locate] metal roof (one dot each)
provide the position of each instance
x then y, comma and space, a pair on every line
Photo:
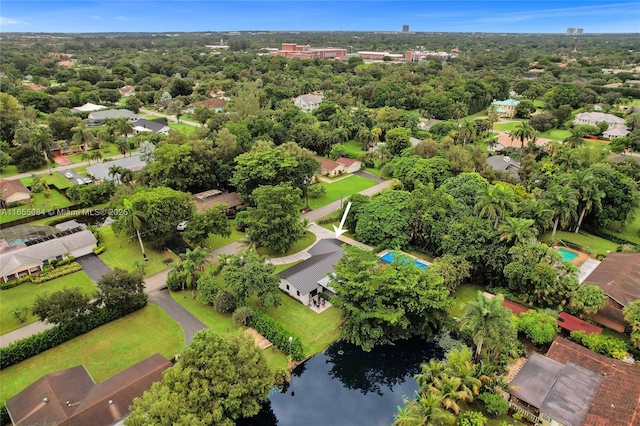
305, 276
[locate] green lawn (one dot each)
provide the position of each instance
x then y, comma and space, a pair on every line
299, 245
25, 294
55, 179
184, 128
153, 117
123, 253
340, 189
599, 144
217, 241
373, 171
465, 294
82, 169
110, 151
588, 242
104, 351
538, 103
39, 202
631, 232
479, 114
8, 171
354, 148
556, 134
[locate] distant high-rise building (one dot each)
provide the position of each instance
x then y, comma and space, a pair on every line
405, 28
571, 31
579, 31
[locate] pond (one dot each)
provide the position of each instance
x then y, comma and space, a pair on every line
346, 386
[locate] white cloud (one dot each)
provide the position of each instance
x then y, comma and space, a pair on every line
11, 21
96, 17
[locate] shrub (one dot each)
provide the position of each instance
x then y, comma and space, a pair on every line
471, 418
241, 315
277, 334
539, 327
327, 220
99, 250
57, 272
604, 345
495, 404
15, 283
224, 301
242, 220
316, 191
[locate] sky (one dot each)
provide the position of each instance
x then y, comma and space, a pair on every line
501, 16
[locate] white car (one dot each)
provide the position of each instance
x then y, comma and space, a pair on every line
87, 180
69, 175
182, 226
79, 181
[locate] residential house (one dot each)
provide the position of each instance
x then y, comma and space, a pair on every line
307, 102
12, 191
207, 199
618, 275
156, 126
88, 107
100, 171
505, 141
306, 280
215, 104
66, 147
574, 386
330, 168
72, 398
127, 90
506, 108
350, 165
504, 163
593, 118
19, 258
615, 132
97, 117
598, 107
426, 125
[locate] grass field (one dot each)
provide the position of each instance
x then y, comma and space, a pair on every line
39, 202
104, 351
55, 179
184, 128
216, 241
340, 189
556, 134
302, 243
123, 253
511, 126
631, 232
588, 242
110, 151
25, 294
82, 169
354, 148
465, 294
13, 170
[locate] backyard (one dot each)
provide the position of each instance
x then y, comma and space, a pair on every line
631, 232
340, 189
307, 239
40, 203
556, 134
104, 351
55, 179
25, 294
122, 253
588, 242
181, 127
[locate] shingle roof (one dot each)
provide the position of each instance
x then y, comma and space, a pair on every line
305, 275
310, 99
13, 190
597, 117
616, 131
152, 125
111, 113
618, 275
101, 170
347, 161
617, 400
502, 162
327, 164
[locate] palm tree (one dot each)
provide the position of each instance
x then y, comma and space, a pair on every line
126, 176
132, 221
492, 115
338, 119
42, 140
96, 155
194, 262
517, 231
523, 131
460, 109
424, 411
575, 139
366, 137
124, 128
495, 202
538, 210
467, 131
248, 243
123, 146
86, 157
82, 135
589, 194
115, 172
487, 321
563, 201
451, 390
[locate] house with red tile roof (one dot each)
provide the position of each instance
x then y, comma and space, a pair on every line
350, 165
13, 191
330, 168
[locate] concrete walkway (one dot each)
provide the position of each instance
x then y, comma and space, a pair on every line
23, 333
189, 323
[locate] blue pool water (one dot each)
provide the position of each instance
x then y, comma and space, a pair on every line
391, 256
567, 255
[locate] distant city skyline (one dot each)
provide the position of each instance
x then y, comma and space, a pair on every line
516, 16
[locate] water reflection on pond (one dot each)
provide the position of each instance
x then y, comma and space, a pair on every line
346, 386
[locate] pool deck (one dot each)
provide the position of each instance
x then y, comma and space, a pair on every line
410, 256
582, 256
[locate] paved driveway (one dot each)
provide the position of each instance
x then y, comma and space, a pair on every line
93, 266
189, 323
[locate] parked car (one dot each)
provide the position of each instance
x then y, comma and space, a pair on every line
69, 175
79, 181
182, 226
87, 180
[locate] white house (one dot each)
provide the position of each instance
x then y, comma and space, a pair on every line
615, 132
307, 102
309, 278
593, 118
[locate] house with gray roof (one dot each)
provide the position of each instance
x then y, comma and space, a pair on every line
21, 258
593, 118
97, 117
156, 126
306, 280
307, 102
100, 171
504, 162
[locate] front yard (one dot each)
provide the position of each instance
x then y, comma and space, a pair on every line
104, 351
25, 294
122, 253
55, 179
304, 242
39, 203
340, 189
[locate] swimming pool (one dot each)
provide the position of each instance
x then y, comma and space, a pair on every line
567, 255
390, 256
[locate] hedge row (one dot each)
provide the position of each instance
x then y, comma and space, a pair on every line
56, 273
33, 345
99, 250
612, 238
275, 332
15, 283
607, 346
